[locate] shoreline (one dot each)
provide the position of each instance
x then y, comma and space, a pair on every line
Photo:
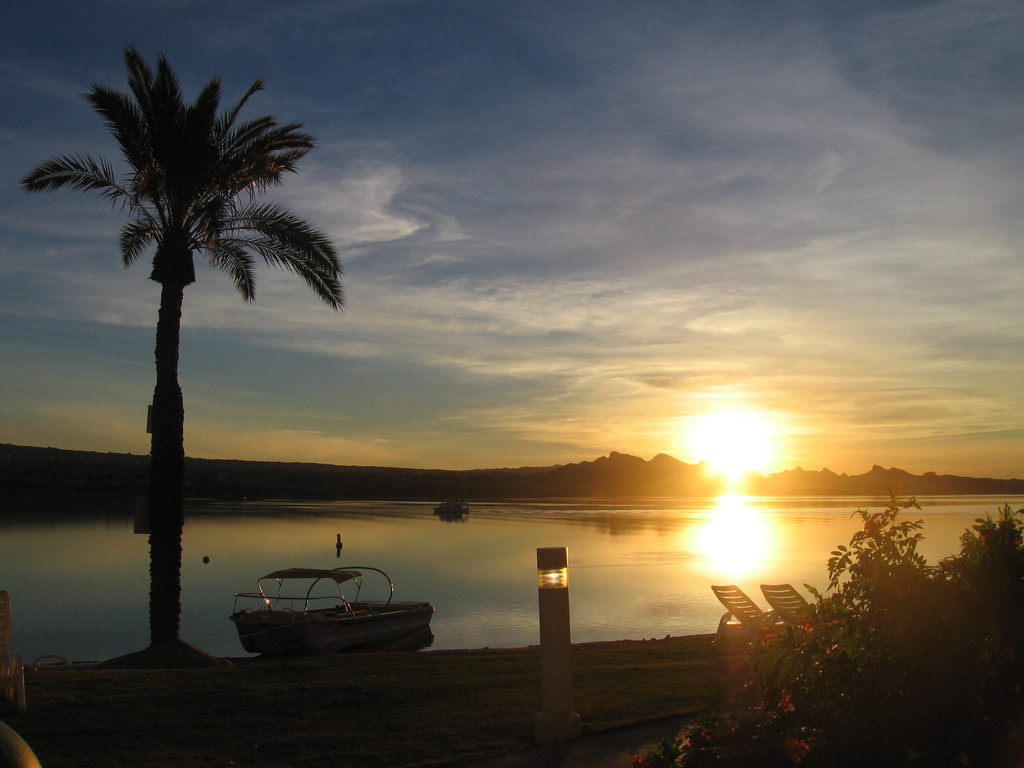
59, 663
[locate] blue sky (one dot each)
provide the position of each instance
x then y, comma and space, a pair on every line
567, 228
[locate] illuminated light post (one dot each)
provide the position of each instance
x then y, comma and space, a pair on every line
556, 721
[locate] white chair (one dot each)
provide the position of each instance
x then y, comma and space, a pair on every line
743, 616
12, 671
788, 604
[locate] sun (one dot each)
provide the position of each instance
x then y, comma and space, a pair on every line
732, 442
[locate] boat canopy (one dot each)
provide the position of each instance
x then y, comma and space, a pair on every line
339, 576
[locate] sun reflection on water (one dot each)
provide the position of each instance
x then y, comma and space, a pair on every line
735, 539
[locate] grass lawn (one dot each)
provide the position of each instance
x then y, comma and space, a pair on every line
390, 709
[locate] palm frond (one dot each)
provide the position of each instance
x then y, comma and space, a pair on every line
227, 120
234, 259
203, 112
143, 88
124, 121
140, 76
284, 240
74, 172
255, 154
136, 235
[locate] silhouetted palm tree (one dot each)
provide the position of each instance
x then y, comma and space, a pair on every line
192, 185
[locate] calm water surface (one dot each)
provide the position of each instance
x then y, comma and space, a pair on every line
79, 586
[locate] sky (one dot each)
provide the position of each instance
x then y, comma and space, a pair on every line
784, 230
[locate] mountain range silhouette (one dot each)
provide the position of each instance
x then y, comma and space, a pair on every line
26, 469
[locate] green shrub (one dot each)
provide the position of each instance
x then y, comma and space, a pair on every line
901, 663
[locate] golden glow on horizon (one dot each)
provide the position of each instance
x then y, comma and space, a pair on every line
734, 540
732, 442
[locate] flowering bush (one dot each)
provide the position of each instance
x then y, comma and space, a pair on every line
902, 663
695, 750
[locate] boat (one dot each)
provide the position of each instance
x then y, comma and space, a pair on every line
451, 510
305, 611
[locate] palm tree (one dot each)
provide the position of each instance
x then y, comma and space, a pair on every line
193, 182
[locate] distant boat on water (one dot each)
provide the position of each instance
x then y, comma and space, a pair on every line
451, 510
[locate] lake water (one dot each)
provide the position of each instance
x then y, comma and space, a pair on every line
79, 585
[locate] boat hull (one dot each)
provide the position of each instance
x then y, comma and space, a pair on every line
367, 627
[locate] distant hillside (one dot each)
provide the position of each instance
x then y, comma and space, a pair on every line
623, 475
27, 469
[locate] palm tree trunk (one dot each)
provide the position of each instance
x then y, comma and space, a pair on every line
166, 474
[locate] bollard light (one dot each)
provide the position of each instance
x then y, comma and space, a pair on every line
556, 721
550, 575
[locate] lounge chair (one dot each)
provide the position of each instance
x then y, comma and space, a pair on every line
786, 602
12, 671
742, 616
